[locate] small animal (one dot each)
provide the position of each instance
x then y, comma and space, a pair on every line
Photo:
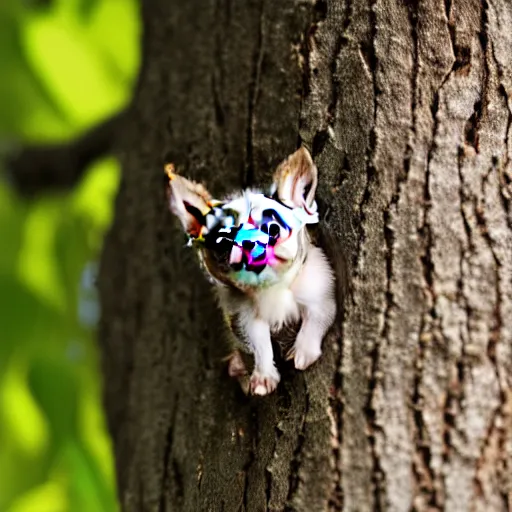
257, 250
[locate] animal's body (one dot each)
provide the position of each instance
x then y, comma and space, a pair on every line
268, 273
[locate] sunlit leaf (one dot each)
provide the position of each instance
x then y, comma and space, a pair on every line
20, 413
37, 267
27, 108
93, 199
115, 29
58, 48
49, 497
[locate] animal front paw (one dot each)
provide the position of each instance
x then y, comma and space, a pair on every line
263, 383
304, 354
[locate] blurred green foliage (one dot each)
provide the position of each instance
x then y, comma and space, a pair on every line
65, 66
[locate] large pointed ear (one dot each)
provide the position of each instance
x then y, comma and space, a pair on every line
189, 201
296, 179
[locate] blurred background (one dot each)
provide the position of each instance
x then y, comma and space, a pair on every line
65, 65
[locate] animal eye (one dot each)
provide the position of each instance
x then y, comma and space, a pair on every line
275, 232
274, 229
274, 226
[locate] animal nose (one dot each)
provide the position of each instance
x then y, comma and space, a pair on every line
248, 245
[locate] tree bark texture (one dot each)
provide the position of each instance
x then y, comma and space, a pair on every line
406, 105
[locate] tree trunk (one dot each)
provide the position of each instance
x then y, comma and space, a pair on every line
406, 106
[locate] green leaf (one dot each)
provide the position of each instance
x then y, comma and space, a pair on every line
58, 48
55, 388
93, 200
27, 109
21, 414
88, 491
117, 42
37, 266
48, 497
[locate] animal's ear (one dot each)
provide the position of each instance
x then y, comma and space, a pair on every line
189, 201
296, 179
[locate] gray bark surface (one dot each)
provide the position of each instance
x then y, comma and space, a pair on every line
407, 107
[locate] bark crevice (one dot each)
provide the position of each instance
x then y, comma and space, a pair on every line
254, 86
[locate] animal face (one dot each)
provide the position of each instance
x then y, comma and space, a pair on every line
251, 239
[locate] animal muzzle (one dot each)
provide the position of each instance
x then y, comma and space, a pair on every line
252, 249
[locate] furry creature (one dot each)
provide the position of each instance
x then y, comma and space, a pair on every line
268, 273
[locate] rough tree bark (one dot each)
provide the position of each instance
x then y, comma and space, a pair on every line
406, 106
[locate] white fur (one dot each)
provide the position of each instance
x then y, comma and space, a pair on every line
314, 290
310, 292
265, 376
277, 306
